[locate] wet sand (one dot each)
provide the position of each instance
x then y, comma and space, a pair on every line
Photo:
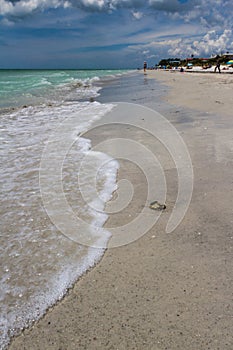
163, 291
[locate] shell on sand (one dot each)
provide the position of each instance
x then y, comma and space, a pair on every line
157, 206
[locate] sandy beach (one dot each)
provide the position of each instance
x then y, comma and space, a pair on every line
211, 93
164, 291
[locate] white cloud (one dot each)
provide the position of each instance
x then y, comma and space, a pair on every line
24, 7
209, 13
5, 7
11, 7
99, 4
210, 44
137, 14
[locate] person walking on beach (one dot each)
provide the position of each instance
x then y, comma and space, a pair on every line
145, 66
217, 67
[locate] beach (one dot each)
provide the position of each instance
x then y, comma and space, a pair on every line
208, 93
163, 290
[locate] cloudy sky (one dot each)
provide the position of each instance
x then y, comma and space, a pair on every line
111, 33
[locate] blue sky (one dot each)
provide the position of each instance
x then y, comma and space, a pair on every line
111, 33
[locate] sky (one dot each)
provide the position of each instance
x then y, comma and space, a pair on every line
97, 34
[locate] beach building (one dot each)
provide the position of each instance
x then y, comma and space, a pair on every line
228, 55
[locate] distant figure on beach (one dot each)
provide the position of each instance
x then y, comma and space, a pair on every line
145, 66
217, 67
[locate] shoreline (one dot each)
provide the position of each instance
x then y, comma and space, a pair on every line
163, 291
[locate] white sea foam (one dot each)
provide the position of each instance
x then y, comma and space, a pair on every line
38, 262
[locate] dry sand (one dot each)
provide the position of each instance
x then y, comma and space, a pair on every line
207, 92
164, 291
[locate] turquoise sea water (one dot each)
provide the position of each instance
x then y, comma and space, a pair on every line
20, 87
38, 263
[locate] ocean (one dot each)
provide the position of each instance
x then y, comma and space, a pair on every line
38, 262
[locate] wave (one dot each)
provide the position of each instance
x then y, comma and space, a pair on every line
38, 262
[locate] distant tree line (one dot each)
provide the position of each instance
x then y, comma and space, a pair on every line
173, 62
196, 61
